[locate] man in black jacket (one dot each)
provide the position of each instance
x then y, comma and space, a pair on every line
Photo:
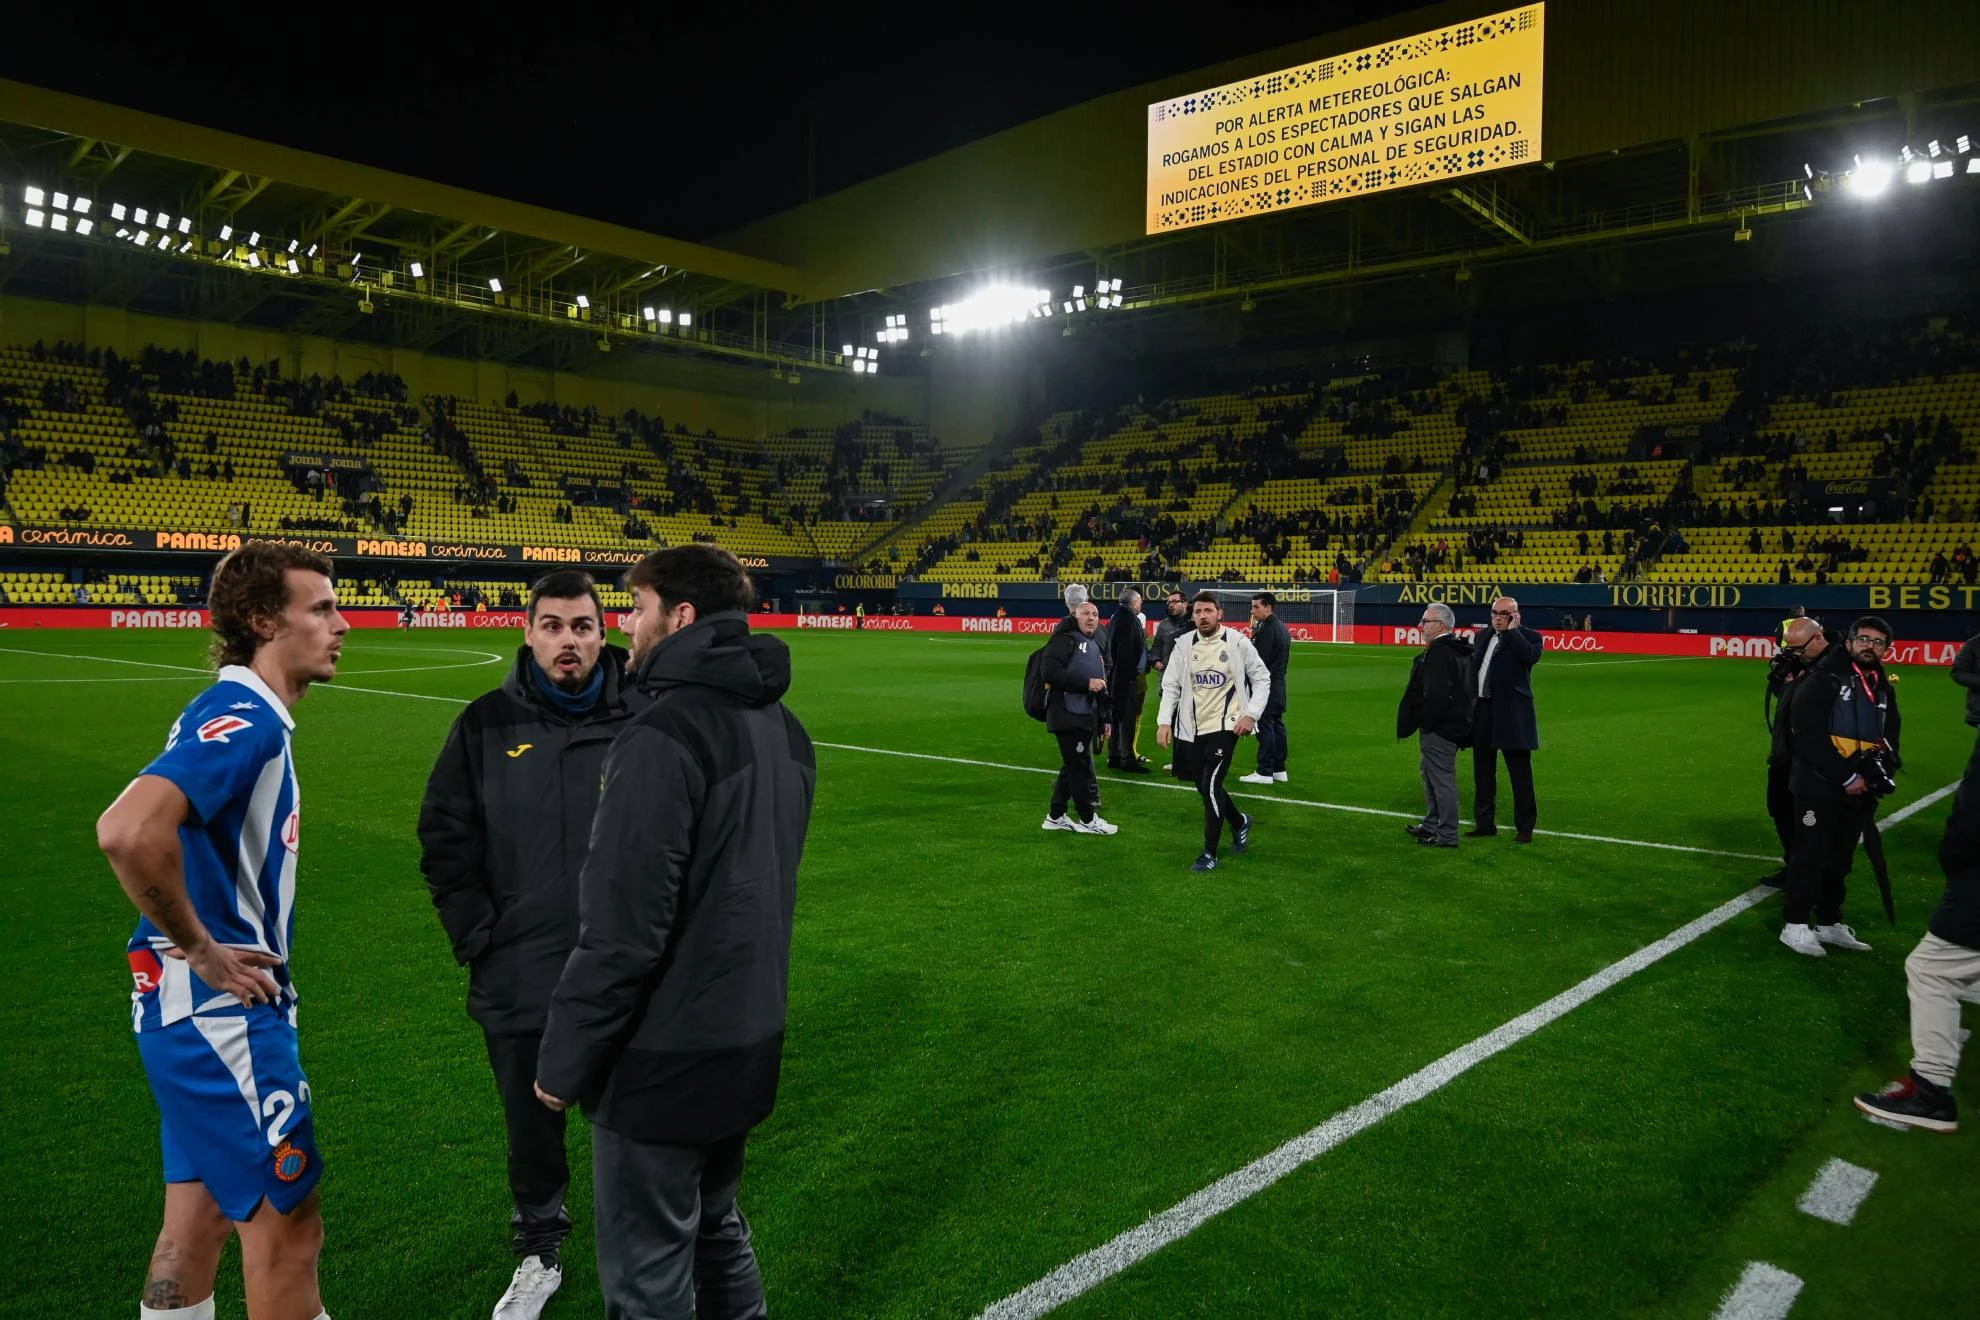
503, 832
1075, 672
1802, 644
1845, 708
1437, 707
1503, 723
668, 1021
1272, 641
1127, 657
1966, 673
1175, 624
1940, 973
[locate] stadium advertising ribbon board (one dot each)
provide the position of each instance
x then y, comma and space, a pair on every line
1431, 108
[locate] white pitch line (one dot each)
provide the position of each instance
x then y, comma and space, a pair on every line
1186, 1216
1911, 809
1837, 1192
1762, 1293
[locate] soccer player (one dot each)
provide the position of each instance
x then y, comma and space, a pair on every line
205, 841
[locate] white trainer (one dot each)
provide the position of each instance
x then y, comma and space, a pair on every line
1057, 823
535, 1283
1841, 937
1802, 939
1254, 779
1095, 826
1279, 776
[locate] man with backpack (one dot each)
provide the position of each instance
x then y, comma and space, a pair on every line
1065, 685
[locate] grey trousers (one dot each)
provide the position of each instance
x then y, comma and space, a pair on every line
1437, 764
1938, 974
671, 1242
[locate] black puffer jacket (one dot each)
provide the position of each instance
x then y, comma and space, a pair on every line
1439, 696
503, 831
1830, 715
668, 1023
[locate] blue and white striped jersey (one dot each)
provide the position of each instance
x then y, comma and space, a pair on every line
228, 752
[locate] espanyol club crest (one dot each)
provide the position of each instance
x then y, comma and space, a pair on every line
290, 1163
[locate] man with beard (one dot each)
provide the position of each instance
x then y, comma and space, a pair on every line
1213, 692
503, 833
1845, 708
1173, 625
1802, 644
668, 1022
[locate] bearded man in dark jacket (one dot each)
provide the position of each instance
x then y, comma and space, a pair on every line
503, 832
668, 1022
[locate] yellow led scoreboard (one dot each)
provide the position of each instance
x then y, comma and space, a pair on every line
1432, 108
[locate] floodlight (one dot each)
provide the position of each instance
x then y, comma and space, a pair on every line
1116, 286
1079, 304
254, 260
859, 364
143, 238
494, 285
33, 196
82, 206
666, 316
1942, 169
312, 252
185, 224
185, 247
294, 243
164, 221
651, 314
141, 215
116, 210
1048, 309
84, 226
1919, 171
59, 223
1869, 178
584, 302
687, 319
356, 257
418, 271
935, 329
123, 232
1932, 148
61, 201
1965, 144
294, 269
1807, 169
934, 313
1079, 290
226, 232
847, 350
36, 219
254, 238
1973, 165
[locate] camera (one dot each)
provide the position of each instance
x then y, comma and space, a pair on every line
1879, 774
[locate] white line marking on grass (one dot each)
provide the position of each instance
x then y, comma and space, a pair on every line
1912, 809
1294, 802
1186, 1216
1762, 1293
1837, 1192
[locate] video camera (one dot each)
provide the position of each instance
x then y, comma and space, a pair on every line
1878, 769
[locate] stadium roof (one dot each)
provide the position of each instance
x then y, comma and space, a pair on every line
355, 234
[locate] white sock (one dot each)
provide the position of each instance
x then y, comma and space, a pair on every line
197, 1311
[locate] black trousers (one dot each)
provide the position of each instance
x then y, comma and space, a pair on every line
1272, 734
1825, 834
1128, 697
671, 1241
539, 1172
1212, 759
1077, 782
1780, 806
1485, 776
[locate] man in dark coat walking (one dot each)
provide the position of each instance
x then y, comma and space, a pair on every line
1437, 707
1503, 721
668, 1022
503, 833
1273, 642
1127, 651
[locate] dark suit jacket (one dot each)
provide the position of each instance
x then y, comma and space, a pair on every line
1509, 686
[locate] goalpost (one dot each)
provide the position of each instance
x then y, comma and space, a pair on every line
1313, 614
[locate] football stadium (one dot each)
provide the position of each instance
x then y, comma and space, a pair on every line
1151, 524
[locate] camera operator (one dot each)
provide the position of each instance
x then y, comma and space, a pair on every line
1843, 729
1802, 643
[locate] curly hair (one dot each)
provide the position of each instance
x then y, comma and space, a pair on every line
249, 585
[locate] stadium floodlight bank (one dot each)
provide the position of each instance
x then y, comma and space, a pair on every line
1326, 613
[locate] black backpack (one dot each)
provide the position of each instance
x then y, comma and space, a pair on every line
1036, 693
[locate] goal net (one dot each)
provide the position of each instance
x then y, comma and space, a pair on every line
1313, 614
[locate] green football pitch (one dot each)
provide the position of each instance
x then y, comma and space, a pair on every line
1009, 1047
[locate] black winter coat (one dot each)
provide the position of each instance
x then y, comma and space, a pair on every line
668, 1023
1439, 696
1818, 767
1514, 725
1056, 670
1966, 673
503, 831
1957, 918
1273, 642
1127, 643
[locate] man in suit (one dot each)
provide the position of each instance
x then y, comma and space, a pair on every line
1503, 722
1127, 649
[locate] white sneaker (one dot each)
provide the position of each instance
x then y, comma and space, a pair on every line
1057, 823
1278, 776
1841, 937
535, 1283
1094, 826
1254, 779
1802, 939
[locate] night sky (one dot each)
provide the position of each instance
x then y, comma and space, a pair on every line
680, 120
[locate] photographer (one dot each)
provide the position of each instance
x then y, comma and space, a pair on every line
1802, 643
1843, 729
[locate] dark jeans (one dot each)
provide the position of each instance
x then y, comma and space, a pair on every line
539, 1173
1212, 759
671, 1241
1825, 835
1077, 782
1272, 738
1485, 776
1780, 806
